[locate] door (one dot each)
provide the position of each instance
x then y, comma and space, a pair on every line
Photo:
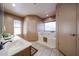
78, 29
66, 20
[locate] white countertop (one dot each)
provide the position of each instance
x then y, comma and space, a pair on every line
11, 48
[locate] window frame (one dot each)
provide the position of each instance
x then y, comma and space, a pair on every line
18, 26
46, 30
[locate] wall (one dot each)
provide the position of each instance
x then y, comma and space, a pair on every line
8, 23
1, 19
40, 27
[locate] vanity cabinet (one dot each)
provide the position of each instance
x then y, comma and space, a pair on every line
67, 18
25, 52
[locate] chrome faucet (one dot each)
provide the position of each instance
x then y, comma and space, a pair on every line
2, 44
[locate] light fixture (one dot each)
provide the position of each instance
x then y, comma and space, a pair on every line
13, 5
47, 15
34, 3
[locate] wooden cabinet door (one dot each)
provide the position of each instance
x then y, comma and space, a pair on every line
25, 52
66, 20
78, 29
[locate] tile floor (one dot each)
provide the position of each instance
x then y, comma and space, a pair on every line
45, 51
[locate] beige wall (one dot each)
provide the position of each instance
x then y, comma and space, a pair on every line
1, 18
8, 23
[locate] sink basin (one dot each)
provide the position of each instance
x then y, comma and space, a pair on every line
14, 46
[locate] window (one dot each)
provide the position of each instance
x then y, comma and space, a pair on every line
17, 27
50, 26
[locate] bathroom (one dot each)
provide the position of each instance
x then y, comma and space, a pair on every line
36, 31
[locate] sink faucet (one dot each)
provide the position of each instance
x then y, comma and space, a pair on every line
2, 44
5, 42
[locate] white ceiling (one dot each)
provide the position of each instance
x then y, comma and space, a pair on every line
23, 9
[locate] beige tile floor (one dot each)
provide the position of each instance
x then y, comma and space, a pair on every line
45, 51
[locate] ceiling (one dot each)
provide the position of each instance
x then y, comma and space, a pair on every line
42, 10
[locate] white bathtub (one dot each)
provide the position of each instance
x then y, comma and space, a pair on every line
51, 39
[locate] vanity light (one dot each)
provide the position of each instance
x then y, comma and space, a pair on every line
13, 5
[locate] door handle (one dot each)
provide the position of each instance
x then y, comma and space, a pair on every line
73, 34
